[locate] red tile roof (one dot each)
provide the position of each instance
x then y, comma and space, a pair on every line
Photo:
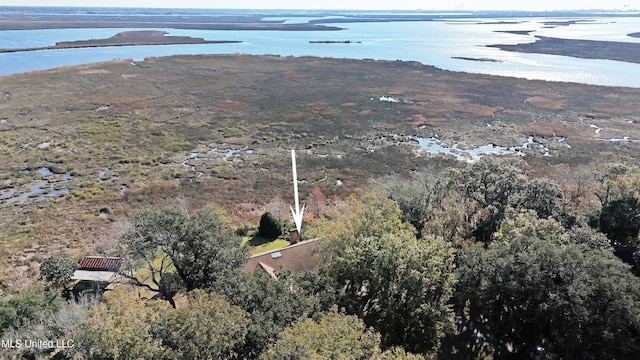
101, 263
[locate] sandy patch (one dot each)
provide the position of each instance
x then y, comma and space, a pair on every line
480, 110
543, 102
330, 112
397, 90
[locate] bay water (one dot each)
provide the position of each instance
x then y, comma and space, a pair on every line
456, 45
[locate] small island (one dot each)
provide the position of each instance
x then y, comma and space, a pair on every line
585, 49
515, 32
334, 42
127, 38
475, 59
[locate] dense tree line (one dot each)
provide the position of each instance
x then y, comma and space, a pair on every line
475, 262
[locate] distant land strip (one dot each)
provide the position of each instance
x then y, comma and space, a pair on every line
515, 32
475, 59
585, 49
66, 21
127, 38
334, 42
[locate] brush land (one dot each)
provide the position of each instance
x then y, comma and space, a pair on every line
90, 144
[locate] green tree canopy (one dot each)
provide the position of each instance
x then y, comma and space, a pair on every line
491, 185
619, 195
57, 269
532, 291
334, 336
400, 286
120, 328
208, 327
272, 304
620, 221
382, 273
20, 309
179, 250
470, 203
128, 327
49, 323
543, 196
367, 216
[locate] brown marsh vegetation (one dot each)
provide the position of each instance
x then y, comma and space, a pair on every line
115, 136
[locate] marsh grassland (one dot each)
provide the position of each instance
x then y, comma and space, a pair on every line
82, 147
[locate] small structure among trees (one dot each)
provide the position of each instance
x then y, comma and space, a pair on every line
297, 257
97, 272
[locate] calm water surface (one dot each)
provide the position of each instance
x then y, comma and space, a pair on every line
430, 42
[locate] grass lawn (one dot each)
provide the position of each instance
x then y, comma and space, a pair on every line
275, 244
260, 244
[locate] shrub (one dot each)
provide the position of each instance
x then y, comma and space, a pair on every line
270, 226
57, 269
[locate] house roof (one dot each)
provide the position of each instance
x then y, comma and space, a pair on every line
101, 263
296, 257
271, 271
100, 276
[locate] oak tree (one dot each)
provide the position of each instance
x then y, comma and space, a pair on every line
534, 291
169, 250
400, 286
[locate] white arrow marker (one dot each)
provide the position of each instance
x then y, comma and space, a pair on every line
297, 213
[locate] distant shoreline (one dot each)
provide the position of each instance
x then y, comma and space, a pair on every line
39, 18
407, 36
42, 21
127, 38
